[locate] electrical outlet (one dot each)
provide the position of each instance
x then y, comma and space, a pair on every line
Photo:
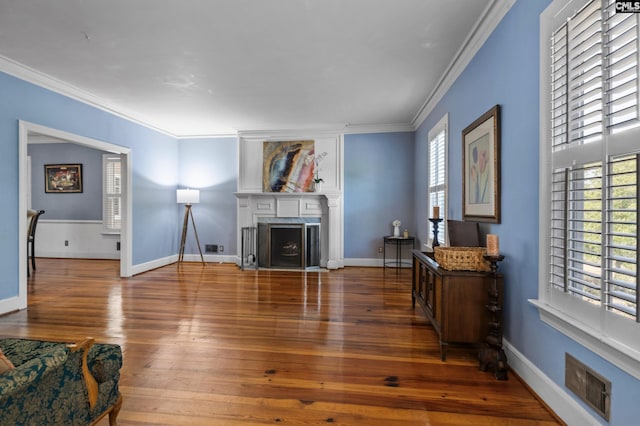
66, 243
118, 246
220, 249
379, 249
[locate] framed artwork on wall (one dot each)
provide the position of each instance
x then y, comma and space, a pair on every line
62, 178
481, 168
288, 166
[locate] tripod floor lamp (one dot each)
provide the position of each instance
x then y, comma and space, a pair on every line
188, 197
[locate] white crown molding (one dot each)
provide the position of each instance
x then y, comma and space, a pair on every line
379, 128
48, 82
329, 131
287, 133
211, 136
491, 17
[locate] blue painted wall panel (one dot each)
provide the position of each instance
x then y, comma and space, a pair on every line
211, 165
378, 188
86, 205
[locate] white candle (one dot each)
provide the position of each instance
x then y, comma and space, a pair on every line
436, 212
493, 246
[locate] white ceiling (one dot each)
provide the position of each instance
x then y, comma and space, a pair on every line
206, 67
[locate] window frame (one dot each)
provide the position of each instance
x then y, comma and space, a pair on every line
441, 126
607, 334
106, 228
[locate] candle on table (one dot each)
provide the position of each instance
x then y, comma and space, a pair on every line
436, 212
493, 246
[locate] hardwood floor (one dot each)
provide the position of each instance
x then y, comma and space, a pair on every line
215, 345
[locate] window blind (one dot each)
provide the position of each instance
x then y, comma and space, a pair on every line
576, 231
437, 179
594, 198
112, 190
622, 236
621, 61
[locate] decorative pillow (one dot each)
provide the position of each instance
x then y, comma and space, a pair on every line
5, 364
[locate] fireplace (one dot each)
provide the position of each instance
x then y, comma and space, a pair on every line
304, 207
292, 243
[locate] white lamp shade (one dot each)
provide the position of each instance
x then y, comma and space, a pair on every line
188, 196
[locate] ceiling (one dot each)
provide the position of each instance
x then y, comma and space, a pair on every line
208, 67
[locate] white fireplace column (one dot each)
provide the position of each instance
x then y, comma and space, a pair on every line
335, 257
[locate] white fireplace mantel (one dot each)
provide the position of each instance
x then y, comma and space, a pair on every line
327, 206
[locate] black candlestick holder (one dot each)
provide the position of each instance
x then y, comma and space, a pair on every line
492, 356
436, 221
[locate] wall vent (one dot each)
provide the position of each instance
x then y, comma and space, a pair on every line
588, 385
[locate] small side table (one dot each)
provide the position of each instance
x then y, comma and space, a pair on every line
399, 242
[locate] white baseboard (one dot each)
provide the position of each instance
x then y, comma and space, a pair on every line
77, 255
565, 407
212, 258
232, 258
158, 263
154, 264
373, 263
10, 305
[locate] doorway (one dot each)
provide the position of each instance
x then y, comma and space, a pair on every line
29, 131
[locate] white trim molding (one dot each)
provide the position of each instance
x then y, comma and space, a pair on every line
562, 404
614, 351
491, 17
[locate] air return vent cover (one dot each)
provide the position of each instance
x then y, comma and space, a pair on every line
588, 385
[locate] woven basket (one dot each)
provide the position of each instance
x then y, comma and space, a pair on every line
462, 258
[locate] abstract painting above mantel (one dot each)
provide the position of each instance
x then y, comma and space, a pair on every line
288, 166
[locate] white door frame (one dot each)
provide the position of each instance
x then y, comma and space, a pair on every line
26, 130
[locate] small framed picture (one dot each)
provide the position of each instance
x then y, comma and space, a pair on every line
481, 168
62, 178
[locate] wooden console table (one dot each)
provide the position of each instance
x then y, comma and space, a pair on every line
453, 301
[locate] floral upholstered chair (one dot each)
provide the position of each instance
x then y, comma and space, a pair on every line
49, 383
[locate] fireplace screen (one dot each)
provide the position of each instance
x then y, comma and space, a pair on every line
293, 245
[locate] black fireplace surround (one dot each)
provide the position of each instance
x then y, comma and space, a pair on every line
289, 243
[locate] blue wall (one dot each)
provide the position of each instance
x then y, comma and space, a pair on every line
86, 205
506, 71
155, 169
378, 188
211, 165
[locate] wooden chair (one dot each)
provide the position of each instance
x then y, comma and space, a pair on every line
33, 216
